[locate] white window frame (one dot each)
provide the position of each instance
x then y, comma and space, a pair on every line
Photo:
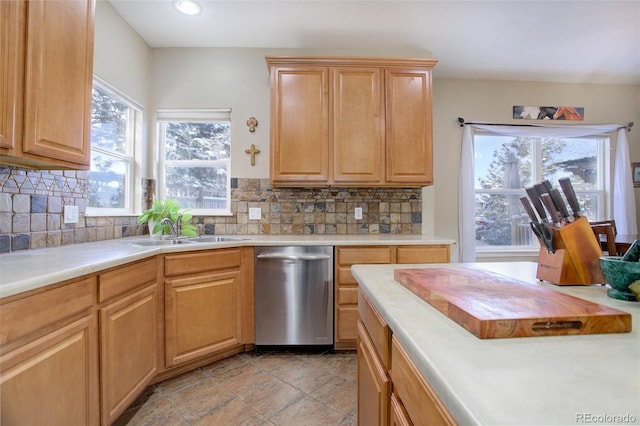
134, 135
186, 116
603, 191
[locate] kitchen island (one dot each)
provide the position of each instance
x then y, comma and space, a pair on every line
559, 380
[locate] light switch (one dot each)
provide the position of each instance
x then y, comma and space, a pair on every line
70, 214
358, 212
255, 213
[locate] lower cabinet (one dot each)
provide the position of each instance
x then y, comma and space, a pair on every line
128, 350
346, 286
204, 311
391, 390
374, 385
128, 318
414, 393
52, 380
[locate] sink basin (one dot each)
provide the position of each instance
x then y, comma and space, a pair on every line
158, 242
214, 239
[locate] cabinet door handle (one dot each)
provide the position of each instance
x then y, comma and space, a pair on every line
293, 257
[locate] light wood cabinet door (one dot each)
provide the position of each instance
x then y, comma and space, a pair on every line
300, 142
53, 380
58, 77
409, 139
203, 315
12, 21
358, 126
128, 350
420, 401
374, 385
398, 415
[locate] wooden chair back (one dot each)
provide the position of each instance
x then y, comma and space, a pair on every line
610, 222
608, 243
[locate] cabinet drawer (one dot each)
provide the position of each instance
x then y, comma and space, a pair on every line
347, 295
422, 254
126, 278
416, 395
195, 262
378, 329
344, 276
24, 316
346, 324
353, 255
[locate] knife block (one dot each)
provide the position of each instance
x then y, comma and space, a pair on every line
576, 260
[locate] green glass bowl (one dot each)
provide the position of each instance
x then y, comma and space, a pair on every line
619, 274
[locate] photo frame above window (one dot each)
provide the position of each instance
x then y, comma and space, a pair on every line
529, 112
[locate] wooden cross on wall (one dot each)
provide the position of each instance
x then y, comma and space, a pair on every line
253, 152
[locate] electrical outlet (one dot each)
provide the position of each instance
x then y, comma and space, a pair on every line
358, 213
255, 213
70, 214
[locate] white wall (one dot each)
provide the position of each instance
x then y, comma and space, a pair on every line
121, 57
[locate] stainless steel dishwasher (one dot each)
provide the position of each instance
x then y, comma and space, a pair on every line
294, 296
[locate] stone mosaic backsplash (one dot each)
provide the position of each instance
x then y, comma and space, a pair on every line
31, 210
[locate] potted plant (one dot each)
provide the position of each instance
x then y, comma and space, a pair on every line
167, 208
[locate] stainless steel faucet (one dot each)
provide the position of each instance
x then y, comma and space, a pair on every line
176, 228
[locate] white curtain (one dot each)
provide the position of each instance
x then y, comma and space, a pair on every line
623, 200
624, 206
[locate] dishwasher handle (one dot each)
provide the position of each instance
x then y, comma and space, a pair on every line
278, 256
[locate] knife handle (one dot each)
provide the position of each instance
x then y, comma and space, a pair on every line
529, 209
551, 208
547, 186
559, 202
570, 194
532, 192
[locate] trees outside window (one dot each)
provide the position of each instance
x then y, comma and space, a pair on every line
505, 165
113, 124
195, 151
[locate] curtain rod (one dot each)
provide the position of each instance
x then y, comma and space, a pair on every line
462, 123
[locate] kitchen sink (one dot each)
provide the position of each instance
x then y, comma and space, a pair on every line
158, 242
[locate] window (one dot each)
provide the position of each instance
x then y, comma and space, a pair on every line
195, 159
114, 120
505, 165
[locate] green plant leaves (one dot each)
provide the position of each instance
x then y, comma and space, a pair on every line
168, 208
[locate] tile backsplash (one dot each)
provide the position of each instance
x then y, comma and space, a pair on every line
32, 201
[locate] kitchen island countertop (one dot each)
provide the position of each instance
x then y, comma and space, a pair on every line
32, 269
558, 380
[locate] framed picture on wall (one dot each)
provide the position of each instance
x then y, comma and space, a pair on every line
635, 170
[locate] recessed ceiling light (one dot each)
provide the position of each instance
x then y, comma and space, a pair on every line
188, 7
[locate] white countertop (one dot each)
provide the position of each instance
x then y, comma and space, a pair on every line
31, 269
559, 380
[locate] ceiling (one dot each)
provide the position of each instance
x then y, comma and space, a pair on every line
587, 41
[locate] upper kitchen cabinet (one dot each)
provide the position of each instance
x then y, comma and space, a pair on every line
45, 82
300, 125
351, 122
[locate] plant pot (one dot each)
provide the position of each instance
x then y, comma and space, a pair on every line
151, 234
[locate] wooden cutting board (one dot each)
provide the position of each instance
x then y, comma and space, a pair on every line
491, 305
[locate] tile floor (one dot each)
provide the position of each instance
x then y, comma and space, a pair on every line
255, 388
